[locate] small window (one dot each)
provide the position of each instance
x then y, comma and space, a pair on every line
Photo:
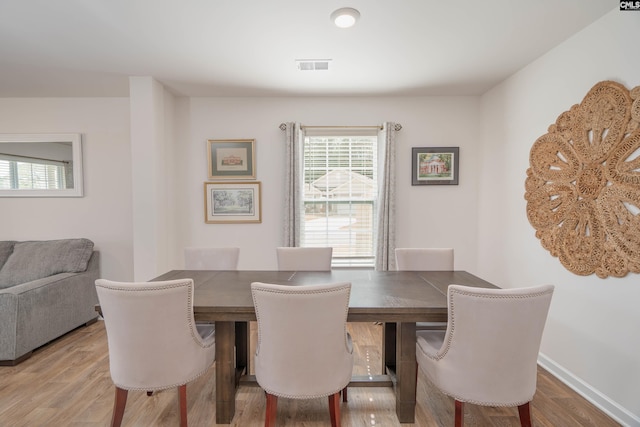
340, 191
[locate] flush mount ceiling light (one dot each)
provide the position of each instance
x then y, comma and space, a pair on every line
345, 17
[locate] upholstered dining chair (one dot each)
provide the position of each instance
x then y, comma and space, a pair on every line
488, 354
152, 339
303, 350
304, 259
211, 258
425, 259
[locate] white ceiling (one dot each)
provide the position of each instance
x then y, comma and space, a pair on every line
248, 47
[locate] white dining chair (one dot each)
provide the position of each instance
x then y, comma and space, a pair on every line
209, 258
304, 259
425, 259
303, 350
488, 354
152, 339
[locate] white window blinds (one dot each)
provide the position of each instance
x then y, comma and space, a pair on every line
24, 173
340, 176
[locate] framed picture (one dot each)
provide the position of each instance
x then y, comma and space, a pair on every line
232, 202
434, 165
232, 158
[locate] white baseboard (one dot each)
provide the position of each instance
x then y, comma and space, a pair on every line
602, 402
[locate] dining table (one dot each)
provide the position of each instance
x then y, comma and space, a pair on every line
397, 299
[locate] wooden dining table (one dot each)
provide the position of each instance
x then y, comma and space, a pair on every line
398, 299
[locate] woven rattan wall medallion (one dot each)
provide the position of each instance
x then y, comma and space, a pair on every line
583, 184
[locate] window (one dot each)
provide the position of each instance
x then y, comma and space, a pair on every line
340, 190
25, 173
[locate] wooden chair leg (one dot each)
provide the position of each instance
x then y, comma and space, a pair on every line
525, 415
344, 395
119, 403
334, 409
272, 410
459, 417
182, 396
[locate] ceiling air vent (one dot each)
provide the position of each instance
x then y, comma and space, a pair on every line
313, 64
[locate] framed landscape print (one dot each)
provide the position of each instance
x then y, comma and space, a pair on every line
434, 165
232, 202
231, 158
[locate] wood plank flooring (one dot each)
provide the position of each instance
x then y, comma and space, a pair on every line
67, 383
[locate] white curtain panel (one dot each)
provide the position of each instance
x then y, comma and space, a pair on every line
385, 233
293, 183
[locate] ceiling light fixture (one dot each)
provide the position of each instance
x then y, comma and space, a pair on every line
345, 17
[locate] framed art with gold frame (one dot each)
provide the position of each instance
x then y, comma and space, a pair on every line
231, 158
232, 202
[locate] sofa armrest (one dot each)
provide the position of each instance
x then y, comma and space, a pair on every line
8, 323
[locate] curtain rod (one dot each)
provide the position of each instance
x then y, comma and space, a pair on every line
341, 127
17, 156
398, 126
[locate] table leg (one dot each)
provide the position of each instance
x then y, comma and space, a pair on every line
406, 369
225, 372
388, 347
242, 348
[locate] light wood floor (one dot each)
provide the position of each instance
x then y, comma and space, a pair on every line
67, 383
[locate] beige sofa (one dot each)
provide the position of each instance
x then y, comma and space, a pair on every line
47, 288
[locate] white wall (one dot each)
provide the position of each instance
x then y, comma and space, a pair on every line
592, 336
110, 210
152, 141
427, 215
104, 213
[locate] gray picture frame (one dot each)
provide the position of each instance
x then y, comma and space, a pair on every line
435, 165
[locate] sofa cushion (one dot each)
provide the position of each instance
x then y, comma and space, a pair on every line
6, 249
37, 259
